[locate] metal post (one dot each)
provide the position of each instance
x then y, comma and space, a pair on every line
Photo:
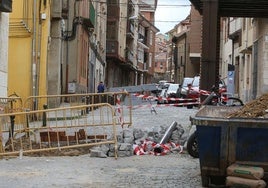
44, 116
12, 123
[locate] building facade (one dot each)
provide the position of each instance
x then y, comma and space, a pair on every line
161, 57
180, 43
118, 71
243, 55
97, 50
195, 43
4, 17
146, 40
130, 42
72, 25
29, 33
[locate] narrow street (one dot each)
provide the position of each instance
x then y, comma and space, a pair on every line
171, 170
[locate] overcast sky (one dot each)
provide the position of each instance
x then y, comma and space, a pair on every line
170, 12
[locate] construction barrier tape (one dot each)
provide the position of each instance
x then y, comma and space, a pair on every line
164, 105
178, 102
148, 147
166, 101
149, 97
118, 110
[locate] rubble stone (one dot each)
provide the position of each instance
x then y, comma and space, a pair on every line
125, 147
97, 153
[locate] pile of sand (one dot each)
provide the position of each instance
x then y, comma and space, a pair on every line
257, 108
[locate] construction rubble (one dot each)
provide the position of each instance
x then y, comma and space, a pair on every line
158, 142
257, 108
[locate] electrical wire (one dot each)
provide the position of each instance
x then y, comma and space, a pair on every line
141, 4
159, 5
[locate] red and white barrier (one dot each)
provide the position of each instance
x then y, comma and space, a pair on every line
164, 105
118, 110
151, 148
166, 99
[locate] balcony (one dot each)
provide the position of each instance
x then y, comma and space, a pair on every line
235, 26
5, 5
130, 30
142, 39
112, 48
235, 30
130, 56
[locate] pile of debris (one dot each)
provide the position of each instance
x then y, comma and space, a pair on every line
157, 141
257, 108
138, 142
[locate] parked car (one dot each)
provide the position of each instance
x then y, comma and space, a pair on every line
163, 84
170, 92
161, 99
183, 88
193, 88
195, 83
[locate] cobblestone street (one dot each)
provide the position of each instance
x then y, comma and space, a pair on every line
171, 170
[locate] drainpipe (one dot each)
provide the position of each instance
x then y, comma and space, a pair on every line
136, 78
185, 56
34, 62
171, 61
175, 59
67, 52
38, 54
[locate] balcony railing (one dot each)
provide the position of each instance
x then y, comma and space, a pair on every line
130, 56
130, 30
142, 39
235, 26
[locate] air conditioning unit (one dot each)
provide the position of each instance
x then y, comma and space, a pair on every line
5, 5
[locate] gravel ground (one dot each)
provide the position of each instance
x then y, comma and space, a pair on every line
172, 170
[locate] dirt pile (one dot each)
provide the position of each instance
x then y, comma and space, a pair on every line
257, 108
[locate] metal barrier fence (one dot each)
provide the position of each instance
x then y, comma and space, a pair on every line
58, 128
55, 101
11, 104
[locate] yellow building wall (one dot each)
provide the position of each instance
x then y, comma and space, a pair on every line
19, 67
28, 45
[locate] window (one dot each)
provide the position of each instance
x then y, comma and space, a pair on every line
151, 38
140, 55
150, 59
